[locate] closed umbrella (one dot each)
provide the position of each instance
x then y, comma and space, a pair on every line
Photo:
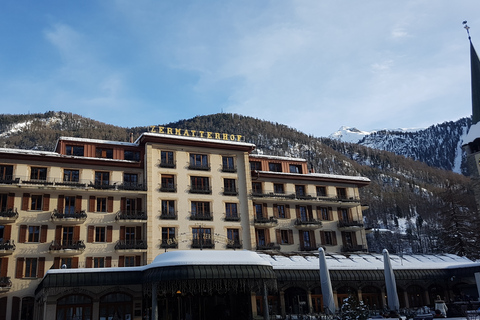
390, 284
327, 292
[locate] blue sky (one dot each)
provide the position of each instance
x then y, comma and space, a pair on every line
312, 65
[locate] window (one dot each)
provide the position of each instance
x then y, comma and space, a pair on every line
168, 183
130, 234
200, 185
256, 165
228, 164
3, 202
262, 238
300, 191
343, 214
69, 208
229, 187
131, 155
257, 187
67, 236
70, 175
100, 233
36, 202
307, 240
6, 172
102, 178
342, 193
130, 180
284, 236
231, 213
130, 261
99, 262
324, 213
275, 167
38, 173
281, 211
168, 209
328, 238
202, 238
259, 211
302, 213
30, 267
74, 150
166, 159
102, 204
104, 153
233, 236
321, 191
67, 263
199, 162
33, 234
201, 210
278, 188
168, 238
295, 168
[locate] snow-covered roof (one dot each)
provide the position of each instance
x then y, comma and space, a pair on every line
98, 141
473, 133
206, 257
265, 156
319, 175
171, 136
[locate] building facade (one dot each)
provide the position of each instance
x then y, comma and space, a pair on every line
100, 204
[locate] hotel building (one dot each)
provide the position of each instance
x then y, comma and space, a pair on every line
100, 204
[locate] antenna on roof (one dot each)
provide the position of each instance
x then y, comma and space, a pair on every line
466, 28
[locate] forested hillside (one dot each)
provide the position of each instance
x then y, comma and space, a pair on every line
422, 206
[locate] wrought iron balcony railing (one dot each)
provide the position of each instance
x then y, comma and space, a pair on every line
309, 221
203, 243
131, 245
168, 187
67, 245
232, 217
200, 189
169, 243
169, 215
197, 166
8, 245
9, 213
268, 246
131, 215
205, 216
56, 215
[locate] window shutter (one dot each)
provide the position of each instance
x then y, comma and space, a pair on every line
7, 232
41, 267
278, 233
90, 233
76, 233
287, 211
275, 211
122, 233
19, 271
349, 212
123, 204
110, 204
109, 233
78, 204
60, 203
322, 237
297, 211
46, 202
290, 236
25, 201
137, 261
267, 235
265, 212
22, 236
121, 261
58, 233
108, 262
319, 213
10, 201
89, 262
3, 267
313, 242
334, 238
91, 204
300, 236
138, 233
75, 262
56, 263
310, 212
330, 213
354, 238
43, 233
340, 216
139, 204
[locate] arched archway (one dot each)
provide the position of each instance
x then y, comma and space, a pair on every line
118, 305
317, 300
74, 306
415, 296
343, 293
372, 297
296, 301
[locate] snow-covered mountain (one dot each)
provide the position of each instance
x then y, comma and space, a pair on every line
438, 145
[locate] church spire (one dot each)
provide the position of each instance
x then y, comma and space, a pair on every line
475, 78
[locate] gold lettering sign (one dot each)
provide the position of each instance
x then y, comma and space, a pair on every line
196, 134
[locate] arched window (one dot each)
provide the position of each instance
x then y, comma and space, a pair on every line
28, 304
74, 307
117, 305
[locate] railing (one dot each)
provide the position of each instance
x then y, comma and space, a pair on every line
229, 169
168, 187
167, 164
169, 243
232, 191
353, 248
265, 220
300, 222
295, 196
234, 244
8, 245
232, 217
349, 223
82, 215
9, 180
131, 215
131, 245
268, 246
309, 248
202, 167
9, 213
169, 215
201, 189
104, 185
5, 283
203, 243
56, 245
205, 216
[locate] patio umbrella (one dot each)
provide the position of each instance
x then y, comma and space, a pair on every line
327, 292
390, 284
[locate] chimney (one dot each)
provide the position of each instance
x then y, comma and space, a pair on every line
131, 137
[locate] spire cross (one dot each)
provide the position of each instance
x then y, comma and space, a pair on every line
467, 28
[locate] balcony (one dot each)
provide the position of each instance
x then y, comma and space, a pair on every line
133, 186
9, 180
234, 244
169, 215
7, 248
68, 218
308, 224
202, 216
199, 166
169, 243
309, 247
319, 198
5, 284
8, 215
353, 248
167, 164
200, 189
203, 244
265, 222
168, 187
268, 246
131, 216
66, 247
231, 169
231, 191
232, 217
350, 224
131, 245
